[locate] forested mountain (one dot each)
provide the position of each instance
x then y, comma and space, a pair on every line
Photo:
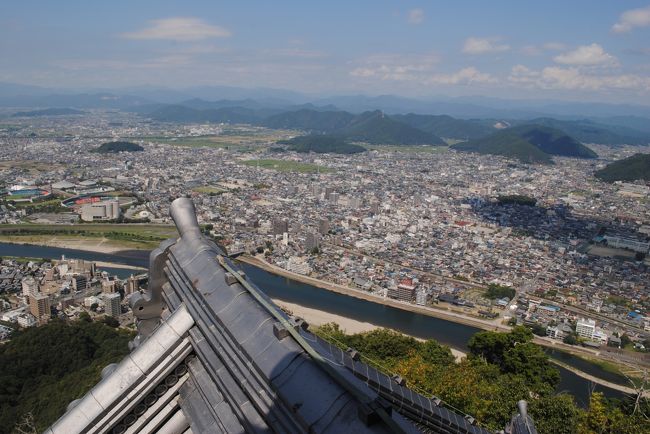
587, 131
310, 120
446, 126
628, 169
377, 128
45, 368
528, 143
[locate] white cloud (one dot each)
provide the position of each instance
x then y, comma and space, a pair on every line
467, 75
572, 78
587, 55
399, 67
537, 50
179, 29
416, 16
631, 19
484, 45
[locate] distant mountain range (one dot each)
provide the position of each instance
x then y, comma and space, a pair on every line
628, 169
49, 112
529, 143
353, 117
446, 126
588, 131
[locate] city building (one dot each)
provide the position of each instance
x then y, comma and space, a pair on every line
39, 306
29, 286
280, 226
112, 304
108, 210
323, 226
312, 241
586, 328
79, 282
404, 291
421, 297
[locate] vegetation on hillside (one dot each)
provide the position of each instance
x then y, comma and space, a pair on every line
322, 144
118, 146
181, 113
506, 144
446, 126
43, 369
501, 369
376, 128
371, 127
587, 131
553, 141
310, 120
528, 143
628, 169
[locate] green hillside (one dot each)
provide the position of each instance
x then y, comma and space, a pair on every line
44, 368
587, 131
310, 120
446, 126
180, 113
553, 141
376, 128
628, 169
507, 144
322, 144
119, 146
529, 144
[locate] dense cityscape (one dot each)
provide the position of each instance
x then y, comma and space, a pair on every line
321, 218
412, 226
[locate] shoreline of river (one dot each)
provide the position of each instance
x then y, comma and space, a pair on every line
440, 314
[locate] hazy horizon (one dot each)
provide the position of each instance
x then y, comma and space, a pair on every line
510, 50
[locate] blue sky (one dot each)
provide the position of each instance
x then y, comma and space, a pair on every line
582, 50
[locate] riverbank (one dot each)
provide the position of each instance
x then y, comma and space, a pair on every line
317, 317
598, 380
346, 290
585, 353
87, 244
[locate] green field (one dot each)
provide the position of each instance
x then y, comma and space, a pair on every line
132, 236
207, 189
287, 166
236, 139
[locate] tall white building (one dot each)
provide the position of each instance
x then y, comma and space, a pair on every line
421, 297
30, 286
586, 328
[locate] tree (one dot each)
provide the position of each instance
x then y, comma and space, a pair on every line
434, 353
625, 340
539, 329
555, 414
530, 361
570, 339
110, 321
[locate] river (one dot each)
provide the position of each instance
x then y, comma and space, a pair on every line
422, 326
